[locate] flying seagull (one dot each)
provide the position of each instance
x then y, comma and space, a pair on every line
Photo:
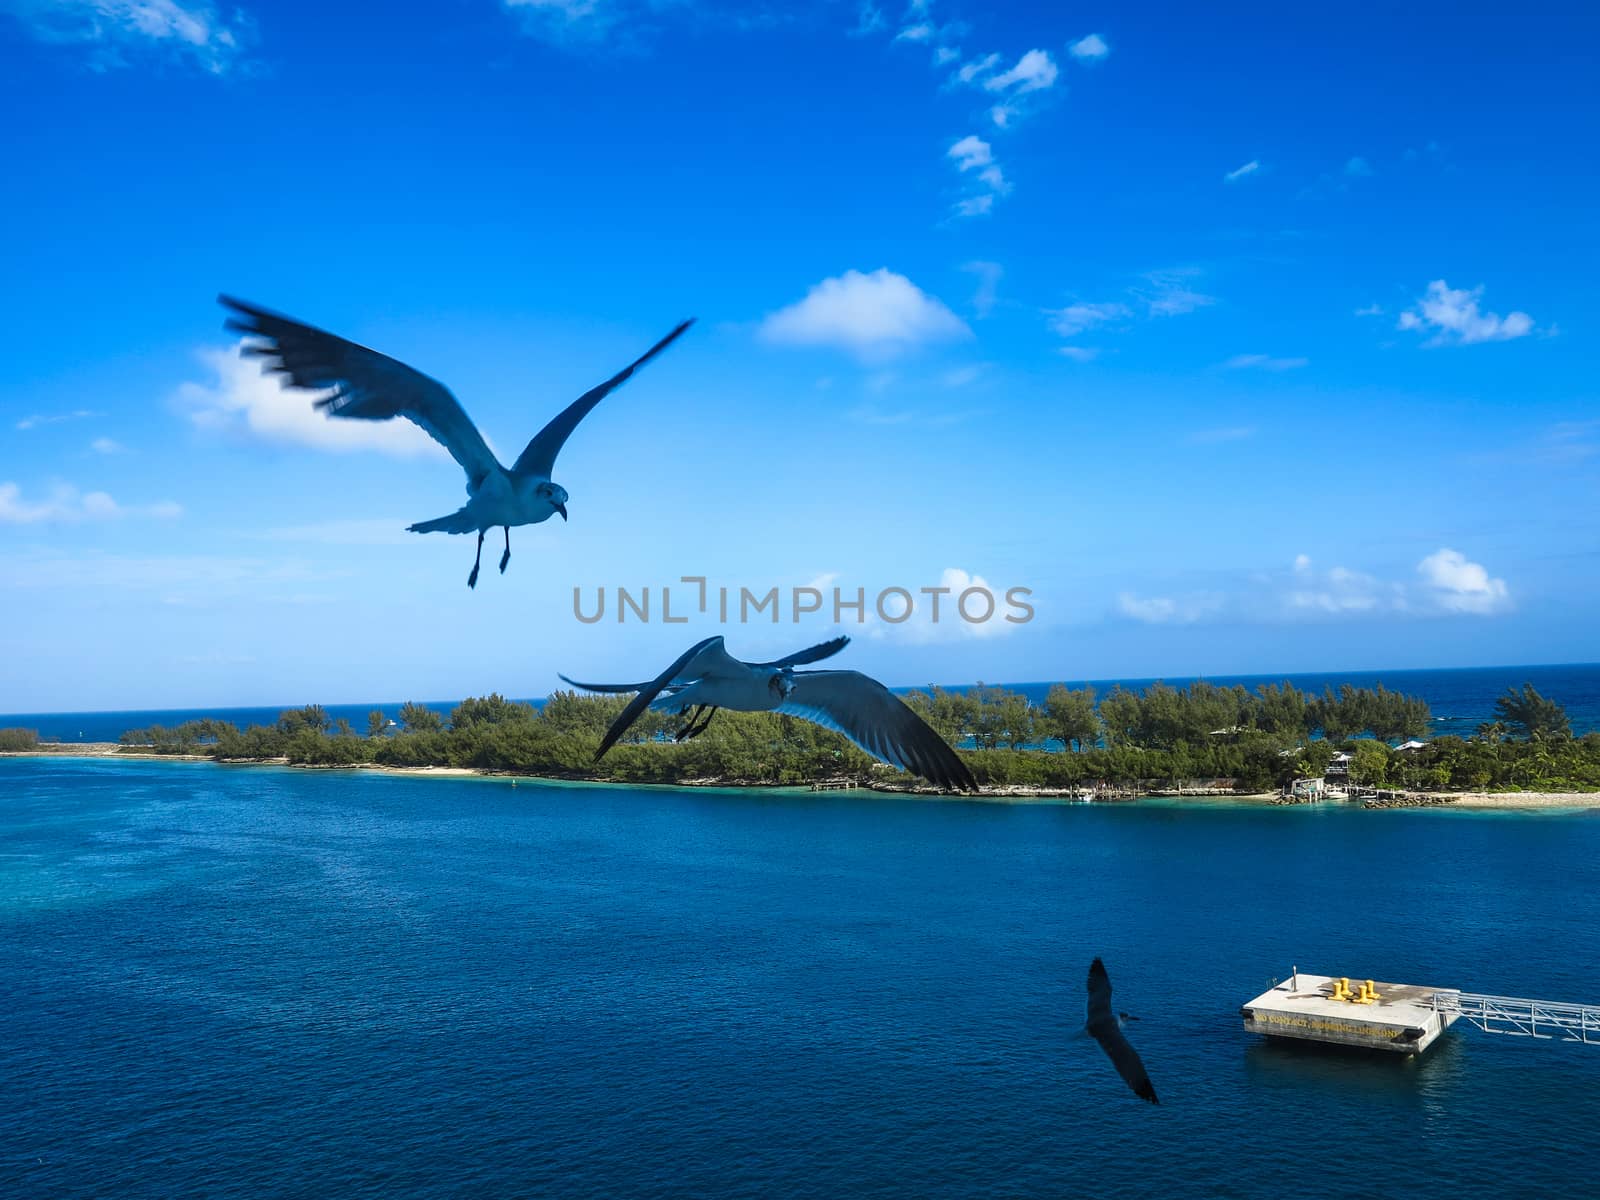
1105, 1027
369, 386
707, 678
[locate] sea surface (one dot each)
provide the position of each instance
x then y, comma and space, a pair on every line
1460, 699
256, 982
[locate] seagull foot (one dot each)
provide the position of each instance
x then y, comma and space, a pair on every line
504, 559
472, 580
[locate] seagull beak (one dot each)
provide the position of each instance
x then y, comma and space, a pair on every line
562, 509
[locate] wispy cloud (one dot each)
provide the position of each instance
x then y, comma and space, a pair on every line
1079, 354
244, 402
1357, 168
1371, 310
115, 31
875, 315
1250, 168
65, 503
105, 445
1034, 71
972, 155
1263, 362
1453, 317
988, 291
1075, 318
1448, 584
869, 20
37, 420
1089, 49
1168, 294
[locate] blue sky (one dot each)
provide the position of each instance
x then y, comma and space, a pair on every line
1249, 341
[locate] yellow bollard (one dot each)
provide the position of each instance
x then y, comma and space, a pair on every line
1341, 988
1372, 990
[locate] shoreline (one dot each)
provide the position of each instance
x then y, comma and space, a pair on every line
1526, 801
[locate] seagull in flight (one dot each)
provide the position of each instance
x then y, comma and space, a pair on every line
1105, 1027
366, 385
707, 678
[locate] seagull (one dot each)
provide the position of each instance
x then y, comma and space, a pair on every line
1105, 1027
707, 678
370, 386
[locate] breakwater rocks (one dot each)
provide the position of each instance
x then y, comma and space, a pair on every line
1408, 800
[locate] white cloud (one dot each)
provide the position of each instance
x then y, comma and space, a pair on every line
962, 376
988, 273
869, 20
944, 55
567, 20
1089, 49
1169, 610
66, 503
921, 32
1080, 354
1002, 115
1357, 167
1453, 316
1458, 585
874, 315
1169, 295
971, 151
968, 72
244, 401
1075, 318
34, 420
105, 445
112, 28
1371, 310
1034, 71
921, 627
1244, 172
1264, 362
1451, 586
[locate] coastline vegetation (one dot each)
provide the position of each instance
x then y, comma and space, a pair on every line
16, 740
1160, 739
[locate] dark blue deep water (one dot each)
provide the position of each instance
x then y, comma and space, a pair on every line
1460, 699
246, 982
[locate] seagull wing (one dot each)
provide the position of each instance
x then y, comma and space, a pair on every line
539, 458
648, 692
879, 722
366, 385
813, 654
1104, 1027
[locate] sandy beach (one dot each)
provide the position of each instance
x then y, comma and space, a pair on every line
1013, 795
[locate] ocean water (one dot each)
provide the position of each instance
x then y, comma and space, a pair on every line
249, 982
1460, 699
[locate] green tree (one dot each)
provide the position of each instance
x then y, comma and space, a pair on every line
1070, 718
313, 717
493, 709
419, 719
1369, 763
1120, 713
1540, 719
377, 723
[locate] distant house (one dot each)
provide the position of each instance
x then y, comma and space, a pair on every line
1340, 764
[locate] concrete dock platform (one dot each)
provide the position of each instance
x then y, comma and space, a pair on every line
1402, 1018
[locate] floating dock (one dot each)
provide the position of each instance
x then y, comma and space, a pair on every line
1401, 1018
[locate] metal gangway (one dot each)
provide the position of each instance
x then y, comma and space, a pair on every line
1521, 1018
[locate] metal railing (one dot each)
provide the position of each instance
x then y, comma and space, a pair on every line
1522, 1018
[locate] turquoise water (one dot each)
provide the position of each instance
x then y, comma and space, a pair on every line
255, 982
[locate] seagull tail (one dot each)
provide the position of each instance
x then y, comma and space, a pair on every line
460, 521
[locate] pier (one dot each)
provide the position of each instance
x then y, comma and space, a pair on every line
1397, 1017
1405, 1018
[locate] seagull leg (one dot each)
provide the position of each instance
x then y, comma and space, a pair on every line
684, 734
472, 580
506, 557
694, 731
